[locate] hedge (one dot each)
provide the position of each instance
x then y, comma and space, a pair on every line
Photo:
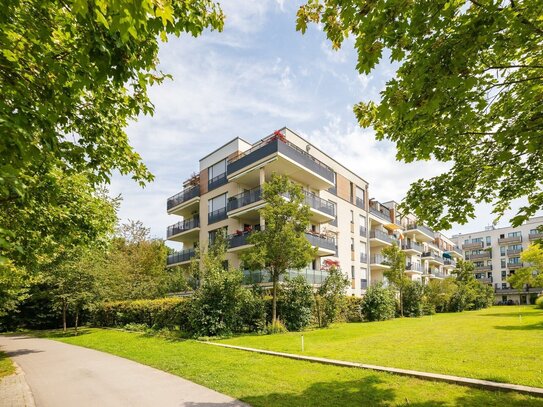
160, 313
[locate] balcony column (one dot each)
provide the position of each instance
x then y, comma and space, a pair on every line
262, 181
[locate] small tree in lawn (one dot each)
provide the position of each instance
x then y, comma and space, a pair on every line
330, 297
531, 275
395, 259
281, 244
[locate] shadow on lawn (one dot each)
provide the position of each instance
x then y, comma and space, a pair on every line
521, 327
372, 391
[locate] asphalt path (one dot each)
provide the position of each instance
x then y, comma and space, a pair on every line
63, 375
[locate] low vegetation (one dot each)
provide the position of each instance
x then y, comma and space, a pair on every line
262, 380
6, 366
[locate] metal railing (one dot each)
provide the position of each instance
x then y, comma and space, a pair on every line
179, 257
216, 216
449, 262
183, 196
275, 144
377, 259
380, 214
483, 255
323, 242
412, 246
217, 181
322, 205
424, 229
413, 267
183, 226
535, 236
245, 198
511, 239
379, 234
513, 265
238, 239
264, 277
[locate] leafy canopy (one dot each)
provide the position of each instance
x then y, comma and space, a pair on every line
468, 90
532, 274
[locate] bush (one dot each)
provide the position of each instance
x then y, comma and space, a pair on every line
276, 327
296, 303
379, 303
413, 299
161, 313
539, 302
351, 310
330, 297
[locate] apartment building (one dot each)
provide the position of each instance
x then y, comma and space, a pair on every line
347, 227
496, 255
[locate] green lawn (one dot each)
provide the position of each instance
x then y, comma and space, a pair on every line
493, 344
6, 367
262, 380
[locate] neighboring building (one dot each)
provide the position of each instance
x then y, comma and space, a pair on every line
346, 226
496, 255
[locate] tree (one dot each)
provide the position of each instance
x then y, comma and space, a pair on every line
330, 296
439, 293
73, 74
413, 300
395, 259
296, 303
281, 244
467, 91
379, 303
532, 274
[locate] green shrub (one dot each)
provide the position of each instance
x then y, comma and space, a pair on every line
379, 303
136, 327
351, 310
413, 299
276, 327
539, 302
296, 303
330, 297
161, 313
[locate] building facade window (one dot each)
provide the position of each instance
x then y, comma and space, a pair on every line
502, 250
488, 241
216, 169
514, 234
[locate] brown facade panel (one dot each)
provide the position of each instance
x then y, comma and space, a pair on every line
343, 187
203, 181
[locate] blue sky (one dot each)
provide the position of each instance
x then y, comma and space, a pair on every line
256, 76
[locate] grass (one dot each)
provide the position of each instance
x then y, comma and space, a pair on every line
503, 344
6, 366
262, 380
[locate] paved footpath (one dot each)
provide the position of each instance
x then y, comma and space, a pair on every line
62, 375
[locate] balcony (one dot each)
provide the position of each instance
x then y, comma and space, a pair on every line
381, 215
449, 263
412, 248
514, 265
483, 268
186, 200
535, 236
181, 257
512, 252
433, 258
413, 268
483, 255
326, 245
485, 280
217, 181
322, 210
183, 230
473, 245
238, 241
216, 216
423, 233
283, 157
436, 274
263, 277
246, 201
509, 240
509, 290
380, 238
378, 262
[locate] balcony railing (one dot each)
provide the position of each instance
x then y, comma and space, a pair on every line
322, 205
438, 274
244, 199
264, 277
377, 259
412, 246
183, 226
514, 265
424, 229
216, 216
275, 144
359, 202
511, 239
511, 252
484, 255
413, 267
379, 214
449, 262
217, 181
472, 245
179, 257
535, 236
485, 280
323, 242
379, 234
483, 268
183, 196
238, 239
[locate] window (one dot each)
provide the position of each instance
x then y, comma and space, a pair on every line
502, 250
214, 204
503, 263
515, 247
514, 260
504, 273
514, 234
216, 169
489, 274
352, 216
352, 272
360, 197
351, 192
488, 241
212, 234
534, 231
352, 245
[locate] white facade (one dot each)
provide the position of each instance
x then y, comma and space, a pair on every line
496, 254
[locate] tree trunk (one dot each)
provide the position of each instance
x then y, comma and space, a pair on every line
64, 307
401, 303
274, 299
76, 319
